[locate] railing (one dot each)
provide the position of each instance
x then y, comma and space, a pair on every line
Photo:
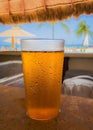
86, 55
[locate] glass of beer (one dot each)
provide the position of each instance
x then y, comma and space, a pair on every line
42, 68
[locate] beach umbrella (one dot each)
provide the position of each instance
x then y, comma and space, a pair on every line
16, 40
23, 11
15, 31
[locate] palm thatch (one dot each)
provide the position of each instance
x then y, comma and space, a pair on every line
24, 11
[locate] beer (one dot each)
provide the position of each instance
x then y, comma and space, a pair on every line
43, 79
42, 76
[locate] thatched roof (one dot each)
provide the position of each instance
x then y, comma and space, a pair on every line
23, 11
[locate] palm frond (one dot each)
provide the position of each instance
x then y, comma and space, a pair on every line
82, 28
40, 25
65, 27
82, 24
52, 23
79, 32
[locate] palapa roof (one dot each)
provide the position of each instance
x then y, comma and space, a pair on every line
23, 11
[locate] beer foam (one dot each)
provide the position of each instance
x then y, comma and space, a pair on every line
42, 45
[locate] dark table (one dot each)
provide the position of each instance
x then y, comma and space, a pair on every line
76, 113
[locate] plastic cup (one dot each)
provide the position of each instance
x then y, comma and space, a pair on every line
42, 61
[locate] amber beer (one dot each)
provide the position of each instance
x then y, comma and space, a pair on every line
42, 68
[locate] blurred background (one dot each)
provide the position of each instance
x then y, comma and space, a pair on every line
77, 33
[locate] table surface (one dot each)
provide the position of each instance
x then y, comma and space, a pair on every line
76, 113
18, 53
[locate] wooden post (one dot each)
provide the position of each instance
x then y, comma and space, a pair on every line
44, 2
72, 4
13, 44
23, 7
9, 7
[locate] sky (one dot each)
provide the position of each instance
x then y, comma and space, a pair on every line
45, 30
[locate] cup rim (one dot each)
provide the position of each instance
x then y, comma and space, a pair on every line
47, 39
42, 44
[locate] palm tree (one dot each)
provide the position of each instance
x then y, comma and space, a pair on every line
84, 29
52, 23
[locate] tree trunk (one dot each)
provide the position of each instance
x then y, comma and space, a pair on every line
86, 42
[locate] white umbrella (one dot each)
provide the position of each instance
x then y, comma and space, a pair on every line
16, 40
15, 31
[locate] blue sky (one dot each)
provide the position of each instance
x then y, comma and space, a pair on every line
45, 31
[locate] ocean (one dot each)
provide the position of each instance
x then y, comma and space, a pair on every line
8, 46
